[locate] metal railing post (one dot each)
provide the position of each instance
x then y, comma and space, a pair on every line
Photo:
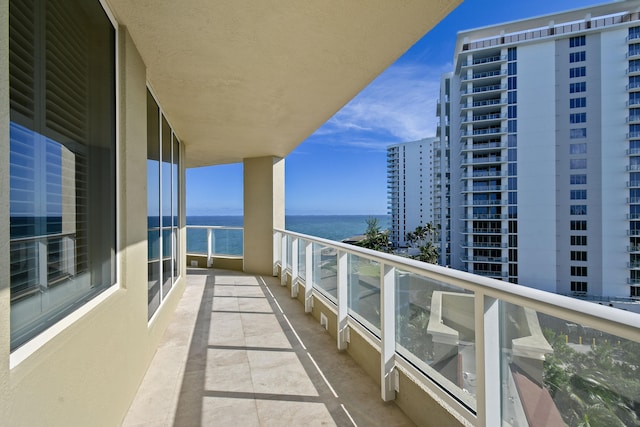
343, 303
210, 243
387, 332
487, 336
283, 260
308, 276
294, 267
276, 252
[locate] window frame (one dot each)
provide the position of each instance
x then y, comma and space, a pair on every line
88, 303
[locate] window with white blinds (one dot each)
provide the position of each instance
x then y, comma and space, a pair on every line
62, 159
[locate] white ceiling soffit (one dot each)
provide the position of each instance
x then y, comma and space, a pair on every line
251, 78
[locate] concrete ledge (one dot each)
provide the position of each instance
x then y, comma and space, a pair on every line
228, 262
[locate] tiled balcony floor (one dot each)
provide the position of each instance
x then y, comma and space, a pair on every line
230, 357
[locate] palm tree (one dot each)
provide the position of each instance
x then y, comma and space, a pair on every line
374, 238
423, 238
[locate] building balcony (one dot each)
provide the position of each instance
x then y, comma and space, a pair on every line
494, 274
485, 231
484, 188
483, 174
376, 298
485, 75
485, 60
483, 245
633, 70
483, 89
474, 217
494, 260
483, 160
483, 146
483, 118
485, 202
484, 103
485, 131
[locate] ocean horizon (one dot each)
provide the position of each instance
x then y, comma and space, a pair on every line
331, 227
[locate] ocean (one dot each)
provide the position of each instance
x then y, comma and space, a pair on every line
332, 227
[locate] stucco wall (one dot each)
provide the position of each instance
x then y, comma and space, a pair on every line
86, 369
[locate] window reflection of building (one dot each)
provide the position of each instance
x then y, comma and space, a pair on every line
62, 160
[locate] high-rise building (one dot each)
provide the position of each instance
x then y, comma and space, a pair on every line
410, 172
545, 139
442, 171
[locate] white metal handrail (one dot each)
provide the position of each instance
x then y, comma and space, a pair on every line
487, 293
211, 239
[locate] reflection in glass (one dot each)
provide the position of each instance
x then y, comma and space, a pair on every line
364, 290
62, 160
435, 330
163, 190
153, 203
325, 270
166, 202
580, 375
302, 257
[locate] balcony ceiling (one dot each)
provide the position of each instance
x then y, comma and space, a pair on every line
250, 78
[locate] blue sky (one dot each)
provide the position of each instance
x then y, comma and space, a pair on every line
341, 168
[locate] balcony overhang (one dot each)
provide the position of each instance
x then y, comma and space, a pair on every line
256, 78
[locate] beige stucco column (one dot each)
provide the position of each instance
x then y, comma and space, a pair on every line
263, 211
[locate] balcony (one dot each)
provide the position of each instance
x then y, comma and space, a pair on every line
483, 146
485, 75
239, 351
484, 174
440, 328
485, 131
478, 104
483, 160
483, 89
485, 60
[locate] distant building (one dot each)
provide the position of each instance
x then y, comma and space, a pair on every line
410, 168
442, 171
543, 120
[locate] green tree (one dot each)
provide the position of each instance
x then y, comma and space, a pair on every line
423, 238
374, 238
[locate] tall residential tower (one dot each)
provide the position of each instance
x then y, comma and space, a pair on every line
545, 145
410, 171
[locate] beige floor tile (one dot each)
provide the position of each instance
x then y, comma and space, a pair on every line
286, 413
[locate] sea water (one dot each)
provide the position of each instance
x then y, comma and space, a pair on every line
332, 227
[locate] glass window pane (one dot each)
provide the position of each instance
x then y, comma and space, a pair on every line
175, 206
165, 188
62, 160
153, 203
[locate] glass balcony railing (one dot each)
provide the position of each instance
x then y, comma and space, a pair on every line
492, 351
213, 241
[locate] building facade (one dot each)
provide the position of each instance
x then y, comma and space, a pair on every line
545, 142
410, 180
442, 171
102, 110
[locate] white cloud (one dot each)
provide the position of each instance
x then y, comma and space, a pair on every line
400, 104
